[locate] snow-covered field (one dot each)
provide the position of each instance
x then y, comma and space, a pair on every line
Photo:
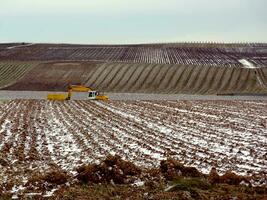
37, 136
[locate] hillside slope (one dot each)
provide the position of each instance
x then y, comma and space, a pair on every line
188, 68
11, 72
144, 78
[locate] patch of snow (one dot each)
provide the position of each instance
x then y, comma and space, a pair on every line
14, 196
32, 194
50, 193
15, 188
247, 64
24, 45
169, 188
6, 126
139, 183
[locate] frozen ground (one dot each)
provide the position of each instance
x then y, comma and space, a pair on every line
37, 136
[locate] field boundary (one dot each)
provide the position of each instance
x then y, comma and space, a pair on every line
10, 95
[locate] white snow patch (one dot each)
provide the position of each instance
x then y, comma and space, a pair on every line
50, 193
139, 183
14, 196
32, 194
6, 126
24, 45
247, 64
15, 190
169, 188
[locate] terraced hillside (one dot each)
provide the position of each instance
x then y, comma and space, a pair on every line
11, 72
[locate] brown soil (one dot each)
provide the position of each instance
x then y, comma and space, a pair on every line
172, 169
113, 178
54, 76
112, 169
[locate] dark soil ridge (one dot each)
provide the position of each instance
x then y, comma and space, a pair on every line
115, 178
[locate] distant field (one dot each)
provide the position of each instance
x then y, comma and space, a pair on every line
199, 54
181, 68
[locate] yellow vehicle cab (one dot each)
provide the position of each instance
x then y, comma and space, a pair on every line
91, 94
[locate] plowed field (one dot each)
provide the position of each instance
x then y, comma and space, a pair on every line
37, 136
198, 54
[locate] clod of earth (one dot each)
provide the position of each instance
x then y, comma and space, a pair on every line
213, 176
56, 177
231, 178
3, 162
113, 168
173, 169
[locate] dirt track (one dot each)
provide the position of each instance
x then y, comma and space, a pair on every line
10, 95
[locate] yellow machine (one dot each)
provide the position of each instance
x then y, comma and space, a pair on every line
92, 95
59, 97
